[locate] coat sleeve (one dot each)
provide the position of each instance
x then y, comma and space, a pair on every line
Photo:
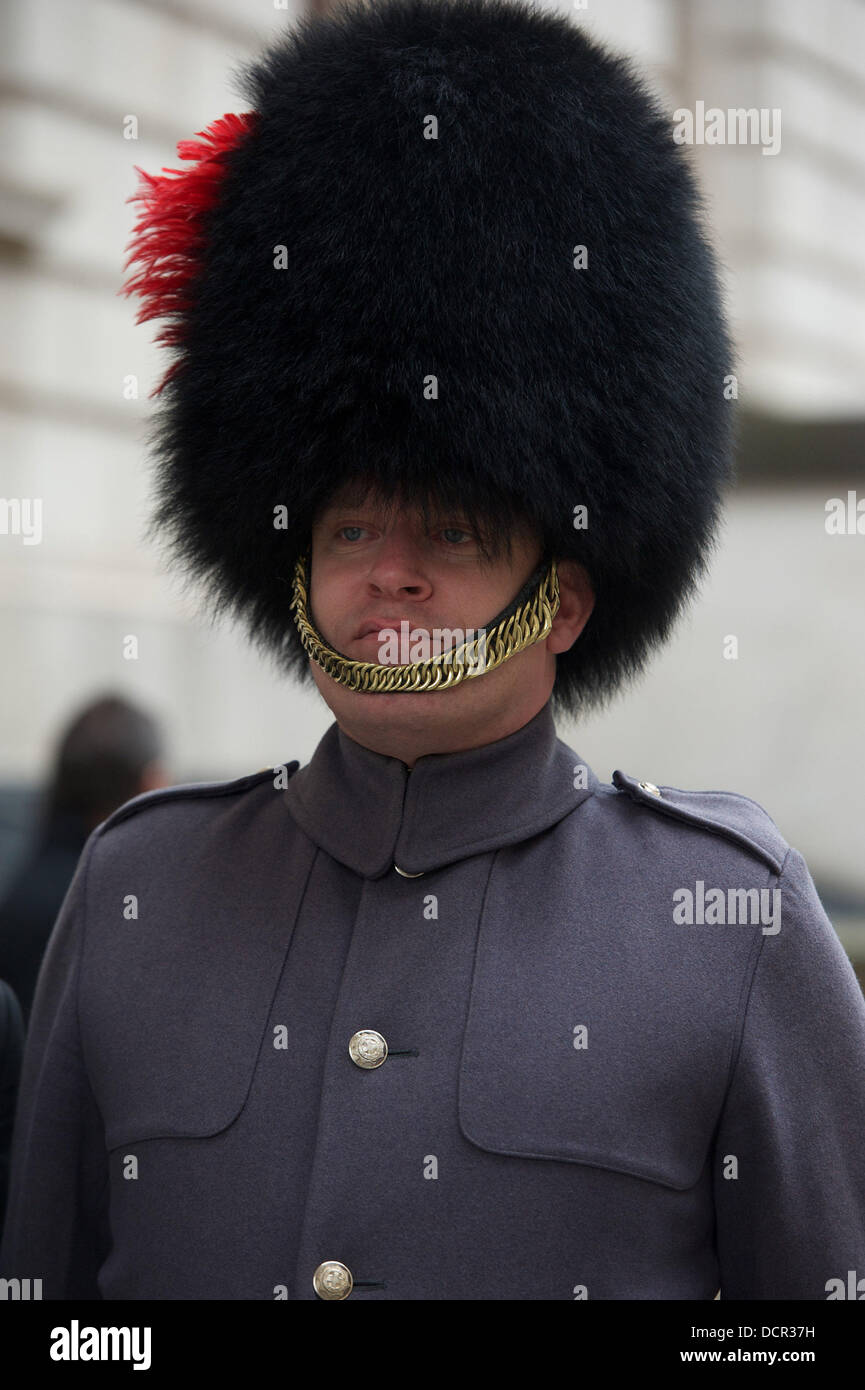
57, 1214
789, 1154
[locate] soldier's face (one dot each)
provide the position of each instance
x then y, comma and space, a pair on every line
374, 568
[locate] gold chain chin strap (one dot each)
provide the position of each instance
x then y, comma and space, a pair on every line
529, 624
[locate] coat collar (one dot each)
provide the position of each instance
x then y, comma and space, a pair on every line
371, 812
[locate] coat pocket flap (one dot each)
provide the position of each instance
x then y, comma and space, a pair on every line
534, 1115
175, 1005
598, 1031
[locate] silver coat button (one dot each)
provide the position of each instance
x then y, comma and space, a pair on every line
405, 875
650, 787
332, 1280
367, 1048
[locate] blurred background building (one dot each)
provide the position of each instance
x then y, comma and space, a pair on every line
92, 89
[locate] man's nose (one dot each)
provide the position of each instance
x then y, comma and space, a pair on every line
399, 567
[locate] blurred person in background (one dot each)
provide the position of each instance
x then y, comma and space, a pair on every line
110, 752
11, 1052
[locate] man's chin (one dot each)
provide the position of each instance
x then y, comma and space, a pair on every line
399, 706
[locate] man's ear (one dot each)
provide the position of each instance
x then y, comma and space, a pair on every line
576, 601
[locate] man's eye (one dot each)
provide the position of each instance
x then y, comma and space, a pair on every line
454, 535
450, 531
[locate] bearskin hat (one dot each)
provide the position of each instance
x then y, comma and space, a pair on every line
451, 248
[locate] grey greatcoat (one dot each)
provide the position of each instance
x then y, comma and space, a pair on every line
585, 1094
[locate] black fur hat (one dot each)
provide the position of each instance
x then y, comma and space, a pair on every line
376, 272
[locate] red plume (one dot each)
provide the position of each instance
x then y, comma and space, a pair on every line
167, 239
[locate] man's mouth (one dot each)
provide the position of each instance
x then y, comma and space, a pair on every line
377, 625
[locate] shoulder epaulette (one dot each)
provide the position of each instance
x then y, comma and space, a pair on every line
736, 817
188, 790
